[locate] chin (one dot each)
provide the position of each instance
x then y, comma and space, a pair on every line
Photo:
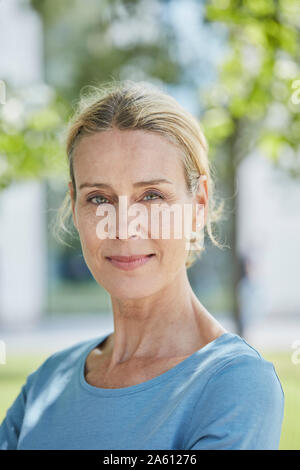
128, 289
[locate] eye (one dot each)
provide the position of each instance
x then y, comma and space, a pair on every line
151, 193
96, 197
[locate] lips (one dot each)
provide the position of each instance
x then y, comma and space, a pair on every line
128, 259
129, 263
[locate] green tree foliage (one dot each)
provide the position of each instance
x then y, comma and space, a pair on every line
31, 138
94, 41
255, 101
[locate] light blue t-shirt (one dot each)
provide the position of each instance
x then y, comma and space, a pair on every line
224, 396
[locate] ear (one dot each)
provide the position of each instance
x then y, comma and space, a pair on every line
71, 188
201, 204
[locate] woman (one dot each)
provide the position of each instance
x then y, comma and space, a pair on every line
169, 376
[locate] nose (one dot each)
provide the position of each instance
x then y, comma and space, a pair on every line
130, 236
129, 232
122, 223
130, 224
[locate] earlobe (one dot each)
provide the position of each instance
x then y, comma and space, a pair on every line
200, 216
203, 184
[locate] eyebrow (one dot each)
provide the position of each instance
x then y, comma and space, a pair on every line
137, 184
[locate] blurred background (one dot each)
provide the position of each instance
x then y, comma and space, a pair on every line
235, 65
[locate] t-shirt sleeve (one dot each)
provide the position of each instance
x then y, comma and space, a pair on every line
10, 427
241, 407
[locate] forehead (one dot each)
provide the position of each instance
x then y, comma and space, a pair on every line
129, 154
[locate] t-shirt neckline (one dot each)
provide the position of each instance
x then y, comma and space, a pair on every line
113, 392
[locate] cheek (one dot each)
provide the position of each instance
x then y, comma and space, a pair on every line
177, 226
173, 253
175, 249
87, 232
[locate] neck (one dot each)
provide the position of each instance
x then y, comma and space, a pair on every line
169, 323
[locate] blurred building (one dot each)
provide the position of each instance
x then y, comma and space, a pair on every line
23, 272
269, 231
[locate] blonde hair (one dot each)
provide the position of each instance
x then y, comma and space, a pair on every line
142, 106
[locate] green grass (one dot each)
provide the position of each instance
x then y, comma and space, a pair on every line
289, 375
13, 375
